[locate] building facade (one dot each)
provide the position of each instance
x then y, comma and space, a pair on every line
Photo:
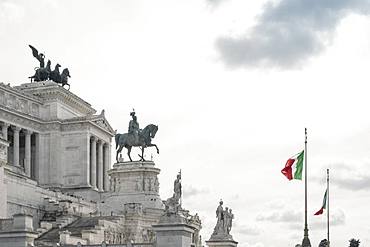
57, 184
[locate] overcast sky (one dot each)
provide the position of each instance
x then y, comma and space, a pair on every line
231, 84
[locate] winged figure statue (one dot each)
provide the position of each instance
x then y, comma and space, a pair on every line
40, 57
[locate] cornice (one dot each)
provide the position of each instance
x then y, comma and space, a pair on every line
50, 91
14, 90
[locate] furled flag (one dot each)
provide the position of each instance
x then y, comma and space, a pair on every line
323, 204
294, 166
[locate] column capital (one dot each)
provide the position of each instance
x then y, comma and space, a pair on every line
6, 125
93, 138
28, 132
16, 128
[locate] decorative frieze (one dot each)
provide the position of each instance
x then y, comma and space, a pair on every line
19, 102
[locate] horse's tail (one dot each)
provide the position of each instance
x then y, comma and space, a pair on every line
116, 138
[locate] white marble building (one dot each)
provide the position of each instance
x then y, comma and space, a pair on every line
57, 185
55, 137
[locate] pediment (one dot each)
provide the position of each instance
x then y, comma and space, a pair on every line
102, 122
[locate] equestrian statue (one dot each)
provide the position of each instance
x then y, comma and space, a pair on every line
136, 137
43, 73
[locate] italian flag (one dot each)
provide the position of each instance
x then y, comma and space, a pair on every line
294, 167
323, 204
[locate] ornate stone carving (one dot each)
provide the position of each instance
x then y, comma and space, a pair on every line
148, 235
139, 185
114, 236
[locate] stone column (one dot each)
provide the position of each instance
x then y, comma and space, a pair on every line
106, 166
100, 165
93, 162
27, 165
37, 164
16, 145
4, 131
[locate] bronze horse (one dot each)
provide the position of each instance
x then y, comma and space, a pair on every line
128, 141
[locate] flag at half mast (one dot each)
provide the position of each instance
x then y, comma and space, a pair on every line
323, 204
294, 167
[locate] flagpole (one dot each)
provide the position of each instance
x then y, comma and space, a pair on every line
327, 212
306, 241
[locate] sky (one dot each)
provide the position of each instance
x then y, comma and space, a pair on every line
231, 84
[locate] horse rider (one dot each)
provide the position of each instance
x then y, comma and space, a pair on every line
133, 127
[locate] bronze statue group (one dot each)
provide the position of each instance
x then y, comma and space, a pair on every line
43, 73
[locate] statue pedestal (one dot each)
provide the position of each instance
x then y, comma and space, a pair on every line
132, 182
173, 234
221, 243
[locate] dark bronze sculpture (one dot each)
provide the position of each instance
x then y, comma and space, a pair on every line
354, 243
136, 138
324, 243
40, 57
43, 74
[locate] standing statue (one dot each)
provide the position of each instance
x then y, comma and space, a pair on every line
228, 220
224, 223
220, 218
136, 138
173, 204
177, 188
354, 243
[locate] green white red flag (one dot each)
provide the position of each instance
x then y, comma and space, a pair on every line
323, 204
294, 167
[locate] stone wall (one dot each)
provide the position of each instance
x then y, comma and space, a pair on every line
25, 196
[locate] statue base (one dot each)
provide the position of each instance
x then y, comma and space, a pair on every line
306, 242
173, 234
132, 182
221, 243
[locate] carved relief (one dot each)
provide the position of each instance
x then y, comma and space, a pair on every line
139, 184
3, 153
148, 235
147, 184
156, 185
18, 103
114, 236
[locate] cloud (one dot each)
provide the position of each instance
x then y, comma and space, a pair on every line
286, 216
360, 182
337, 218
347, 176
215, 3
10, 12
190, 191
248, 230
288, 33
